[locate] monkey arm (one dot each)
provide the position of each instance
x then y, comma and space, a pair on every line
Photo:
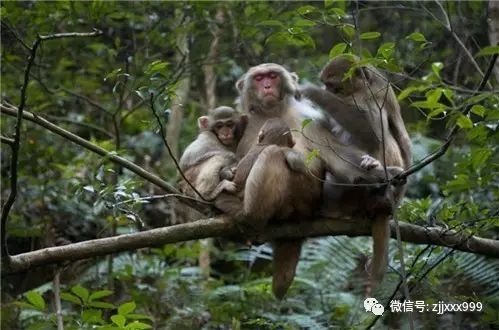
295, 160
224, 185
245, 164
319, 96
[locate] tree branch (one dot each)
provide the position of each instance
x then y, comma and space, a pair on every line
443, 148
12, 111
223, 226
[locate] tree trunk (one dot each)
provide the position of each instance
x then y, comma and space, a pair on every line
210, 81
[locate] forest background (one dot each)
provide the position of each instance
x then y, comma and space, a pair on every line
99, 97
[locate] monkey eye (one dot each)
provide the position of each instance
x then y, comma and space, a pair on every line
229, 123
258, 77
218, 125
333, 88
273, 75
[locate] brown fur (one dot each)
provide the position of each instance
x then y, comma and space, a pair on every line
272, 183
374, 123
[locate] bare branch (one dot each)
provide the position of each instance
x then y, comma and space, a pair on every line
170, 151
9, 110
6, 140
223, 226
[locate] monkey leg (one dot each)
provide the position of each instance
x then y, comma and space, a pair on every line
285, 258
267, 188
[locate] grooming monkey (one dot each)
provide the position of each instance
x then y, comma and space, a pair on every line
207, 162
270, 91
375, 125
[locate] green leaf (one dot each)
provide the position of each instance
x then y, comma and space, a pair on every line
311, 156
436, 68
100, 294
488, 51
479, 157
370, 35
416, 36
337, 50
436, 112
349, 30
271, 22
80, 292
304, 23
119, 320
386, 49
138, 325
101, 304
305, 122
36, 299
69, 297
133, 316
126, 308
478, 110
464, 122
306, 10
337, 11
92, 316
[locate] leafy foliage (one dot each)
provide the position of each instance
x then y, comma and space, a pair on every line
101, 88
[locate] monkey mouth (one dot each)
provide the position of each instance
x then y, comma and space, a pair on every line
226, 140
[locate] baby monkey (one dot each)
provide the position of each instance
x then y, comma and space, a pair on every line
274, 137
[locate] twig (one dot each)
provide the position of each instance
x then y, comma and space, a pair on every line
6, 140
17, 137
57, 300
387, 305
170, 152
450, 137
196, 204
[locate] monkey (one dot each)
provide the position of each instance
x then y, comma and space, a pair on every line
270, 91
375, 125
275, 142
207, 162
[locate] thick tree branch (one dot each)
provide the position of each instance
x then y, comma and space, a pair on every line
224, 227
12, 111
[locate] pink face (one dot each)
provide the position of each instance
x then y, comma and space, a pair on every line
267, 85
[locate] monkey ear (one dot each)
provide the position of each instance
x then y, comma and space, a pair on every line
240, 84
203, 122
294, 76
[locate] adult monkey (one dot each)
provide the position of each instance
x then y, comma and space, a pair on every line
208, 160
374, 120
269, 91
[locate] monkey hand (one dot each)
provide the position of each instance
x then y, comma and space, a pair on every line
295, 160
369, 163
230, 186
227, 173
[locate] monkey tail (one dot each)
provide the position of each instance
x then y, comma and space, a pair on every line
381, 236
286, 256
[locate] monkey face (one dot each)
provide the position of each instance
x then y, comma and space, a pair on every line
224, 130
267, 85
